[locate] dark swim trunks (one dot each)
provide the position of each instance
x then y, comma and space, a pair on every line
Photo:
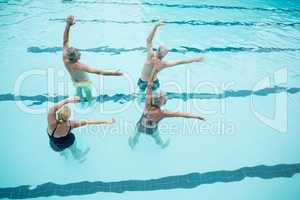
61, 143
143, 84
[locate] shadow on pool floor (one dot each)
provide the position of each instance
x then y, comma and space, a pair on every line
123, 98
187, 181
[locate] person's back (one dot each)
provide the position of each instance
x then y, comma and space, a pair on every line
155, 60
146, 71
76, 74
60, 128
154, 115
148, 67
79, 71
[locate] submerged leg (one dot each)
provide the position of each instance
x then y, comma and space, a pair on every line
88, 94
159, 141
65, 154
77, 153
133, 140
79, 92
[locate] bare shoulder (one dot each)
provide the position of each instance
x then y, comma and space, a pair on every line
161, 114
51, 126
52, 122
163, 63
72, 65
166, 113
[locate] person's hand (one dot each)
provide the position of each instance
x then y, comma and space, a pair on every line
70, 20
73, 99
160, 23
201, 118
112, 121
198, 59
118, 73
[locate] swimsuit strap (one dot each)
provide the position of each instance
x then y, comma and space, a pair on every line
69, 128
52, 134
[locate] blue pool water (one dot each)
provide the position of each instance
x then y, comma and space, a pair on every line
247, 88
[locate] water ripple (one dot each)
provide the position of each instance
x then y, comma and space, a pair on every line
187, 6
123, 98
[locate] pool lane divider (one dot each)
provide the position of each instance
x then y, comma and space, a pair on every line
124, 98
182, 50
185, 22
187, 181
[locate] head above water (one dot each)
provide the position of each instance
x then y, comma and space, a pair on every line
73, 54
159, 99
64, 114
162, 51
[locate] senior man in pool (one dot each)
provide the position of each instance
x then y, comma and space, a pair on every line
78, 71
155, 60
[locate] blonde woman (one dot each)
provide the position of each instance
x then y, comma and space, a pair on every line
60, 126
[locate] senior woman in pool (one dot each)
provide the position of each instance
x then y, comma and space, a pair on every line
153, 114
60, 127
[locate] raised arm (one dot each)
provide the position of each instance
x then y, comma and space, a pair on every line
180, 62
70, 22
180, 114
150, 39
79, 123
52, 111
93, 70
148, 100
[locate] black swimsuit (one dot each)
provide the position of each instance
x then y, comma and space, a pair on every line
142, 129
61, 143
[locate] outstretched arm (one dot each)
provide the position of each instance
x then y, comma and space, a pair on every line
70, 22
79, 123
180, 62
52, 111
180, 114
93, 70
150, 39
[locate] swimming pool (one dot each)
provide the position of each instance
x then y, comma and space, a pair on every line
247, 88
